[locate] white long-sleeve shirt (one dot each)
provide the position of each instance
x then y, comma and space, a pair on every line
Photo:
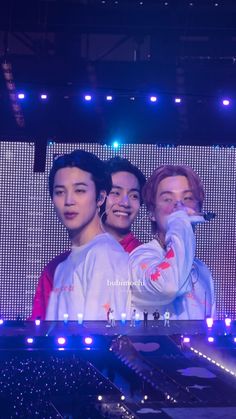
172, 279
93, 278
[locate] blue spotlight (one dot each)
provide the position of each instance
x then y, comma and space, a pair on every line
43, 96
186, 339
88, 98
115, 144
109, 98
21, 96
211, 339
88, 340
37, 322
1, 322
30, 340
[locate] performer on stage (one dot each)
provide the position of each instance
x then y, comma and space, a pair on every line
118, 214
78, 185
166, 268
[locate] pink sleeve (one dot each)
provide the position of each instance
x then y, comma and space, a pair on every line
44, 287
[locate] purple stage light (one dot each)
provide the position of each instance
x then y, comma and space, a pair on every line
61, 341
44, 96
37, 322
211, 339
21, 96
186, 339
109, 98
88, 340
1, 321
178, 100
30, 340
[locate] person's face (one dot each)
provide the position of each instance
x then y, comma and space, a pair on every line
74, 199
123, 202
173, 193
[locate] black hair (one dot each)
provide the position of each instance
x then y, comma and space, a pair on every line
119, 164
86, 161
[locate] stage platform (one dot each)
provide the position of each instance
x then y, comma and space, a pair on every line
72, 328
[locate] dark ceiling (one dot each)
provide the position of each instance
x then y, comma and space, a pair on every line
129, 49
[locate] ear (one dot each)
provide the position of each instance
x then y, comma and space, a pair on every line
101, 198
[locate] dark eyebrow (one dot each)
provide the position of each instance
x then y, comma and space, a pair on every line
130, 190
171, 193
74, 184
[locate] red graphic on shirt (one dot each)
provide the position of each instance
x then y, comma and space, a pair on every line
170, 254
162, 266
106, 307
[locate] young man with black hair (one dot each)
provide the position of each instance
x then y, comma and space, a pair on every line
118, 213
78, 186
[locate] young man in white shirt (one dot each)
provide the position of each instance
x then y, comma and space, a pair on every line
94, 275
168, 272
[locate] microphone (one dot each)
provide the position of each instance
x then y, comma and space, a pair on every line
208, 216
202, 217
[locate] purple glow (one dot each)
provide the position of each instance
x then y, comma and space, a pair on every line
61, 341
30, 340
211, 339
37, 322
186, 339
88, 341
235, 340
1, 321
226, 102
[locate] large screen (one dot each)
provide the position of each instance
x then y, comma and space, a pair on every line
31, 234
